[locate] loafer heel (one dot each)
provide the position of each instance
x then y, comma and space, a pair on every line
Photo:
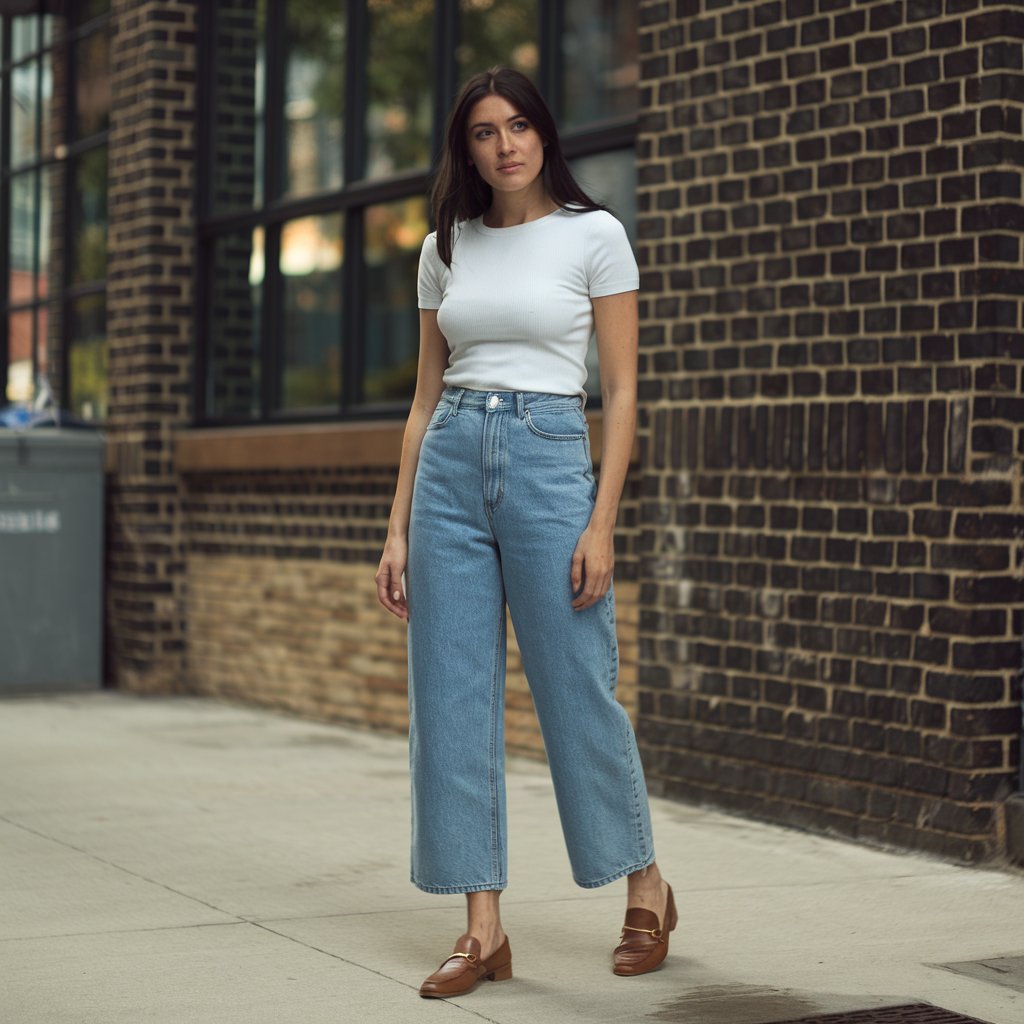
501, 974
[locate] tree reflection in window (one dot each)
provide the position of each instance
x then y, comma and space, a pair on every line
314, 96
497, 32
399, 73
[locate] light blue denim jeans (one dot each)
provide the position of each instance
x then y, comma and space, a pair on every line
504, 488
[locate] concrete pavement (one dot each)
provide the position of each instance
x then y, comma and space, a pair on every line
172, 860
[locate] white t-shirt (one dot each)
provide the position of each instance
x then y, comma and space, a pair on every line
515, 304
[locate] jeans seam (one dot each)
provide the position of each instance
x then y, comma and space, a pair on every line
551, 437
457, 889
627, 870
492, 759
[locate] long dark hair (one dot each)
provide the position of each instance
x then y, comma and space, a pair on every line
459, 193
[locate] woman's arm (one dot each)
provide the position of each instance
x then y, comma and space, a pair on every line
433, 360
616, 320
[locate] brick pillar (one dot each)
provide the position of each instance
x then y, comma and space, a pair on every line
831, 590
149, 327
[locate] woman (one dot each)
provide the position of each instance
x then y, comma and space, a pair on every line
505, 508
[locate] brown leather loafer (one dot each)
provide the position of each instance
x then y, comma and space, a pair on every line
643, 944
464, 968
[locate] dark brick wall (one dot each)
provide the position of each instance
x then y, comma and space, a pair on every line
149, 327
832, 588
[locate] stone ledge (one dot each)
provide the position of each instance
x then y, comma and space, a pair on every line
307, 445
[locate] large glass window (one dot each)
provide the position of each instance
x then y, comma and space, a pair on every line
55, 85
323, 118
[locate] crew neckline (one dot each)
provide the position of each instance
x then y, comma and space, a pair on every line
478, 223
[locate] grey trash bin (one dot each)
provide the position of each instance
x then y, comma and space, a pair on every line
51, 560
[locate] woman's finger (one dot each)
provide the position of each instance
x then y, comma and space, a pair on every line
390, 591
576, 572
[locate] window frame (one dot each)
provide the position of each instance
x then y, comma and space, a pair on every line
61, 293
354, 196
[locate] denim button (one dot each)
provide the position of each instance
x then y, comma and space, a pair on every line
492, 402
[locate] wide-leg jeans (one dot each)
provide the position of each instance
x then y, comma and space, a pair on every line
504, 487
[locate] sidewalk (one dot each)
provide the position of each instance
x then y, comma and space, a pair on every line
175, 859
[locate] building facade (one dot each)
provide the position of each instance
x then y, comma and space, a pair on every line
820, 570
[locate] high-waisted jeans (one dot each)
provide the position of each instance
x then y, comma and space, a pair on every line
504, 488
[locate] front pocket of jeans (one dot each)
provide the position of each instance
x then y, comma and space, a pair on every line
567, 424
441, 415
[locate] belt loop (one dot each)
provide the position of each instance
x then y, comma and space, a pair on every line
583, 401
459, 392
520, 405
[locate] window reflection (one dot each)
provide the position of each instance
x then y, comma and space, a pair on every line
24, 38
92, 84
600, 66
20, 325
400, 71
88, 216
497, 32
87, 357
394, 234
46, 126
24, 100
48, 195
234, 329
311, 258
22, 239
240, 66
314, 96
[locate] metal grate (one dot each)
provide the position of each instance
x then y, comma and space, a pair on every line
911, 1013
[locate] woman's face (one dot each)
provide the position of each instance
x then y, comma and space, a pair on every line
503, 145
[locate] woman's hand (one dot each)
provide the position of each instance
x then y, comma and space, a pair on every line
592, 565
390, 592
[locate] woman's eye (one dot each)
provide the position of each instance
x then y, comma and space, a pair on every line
520, 125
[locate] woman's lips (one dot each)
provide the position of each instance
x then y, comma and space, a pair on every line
509, 168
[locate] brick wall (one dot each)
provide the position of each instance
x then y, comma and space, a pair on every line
149, 330
282, 605
831, 578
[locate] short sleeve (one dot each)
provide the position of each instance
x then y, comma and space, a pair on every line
611, 265
429, 289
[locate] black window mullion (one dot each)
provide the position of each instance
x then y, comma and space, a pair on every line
274, 147
356, 90
356, 98
549, 79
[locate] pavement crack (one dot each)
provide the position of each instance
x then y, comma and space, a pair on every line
363, 967
120, 867
121, 931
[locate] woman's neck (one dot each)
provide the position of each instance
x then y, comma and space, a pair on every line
509, 210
